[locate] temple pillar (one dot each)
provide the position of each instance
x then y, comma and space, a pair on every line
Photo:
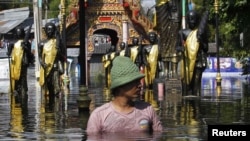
124, 29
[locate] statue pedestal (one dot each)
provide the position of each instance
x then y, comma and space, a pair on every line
173, 85
83, 101
155, 85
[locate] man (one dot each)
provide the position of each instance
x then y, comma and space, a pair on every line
124, 113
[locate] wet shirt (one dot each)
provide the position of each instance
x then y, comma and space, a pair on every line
107, 119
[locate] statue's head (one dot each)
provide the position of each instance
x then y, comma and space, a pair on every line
135, 41
152, 37
122, 45
112, 48
50, 29
20, 32
192, 19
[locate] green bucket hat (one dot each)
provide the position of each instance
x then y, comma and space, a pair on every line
123, 71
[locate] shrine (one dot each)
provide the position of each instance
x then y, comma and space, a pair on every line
108, 23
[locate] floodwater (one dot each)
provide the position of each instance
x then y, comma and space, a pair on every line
184, 118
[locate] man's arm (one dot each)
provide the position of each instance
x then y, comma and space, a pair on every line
156, 123
93, 125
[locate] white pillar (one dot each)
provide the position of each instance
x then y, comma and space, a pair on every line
37, 5
125, 31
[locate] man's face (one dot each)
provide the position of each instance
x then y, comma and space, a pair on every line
132, 89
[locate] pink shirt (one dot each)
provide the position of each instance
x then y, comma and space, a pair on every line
106, 119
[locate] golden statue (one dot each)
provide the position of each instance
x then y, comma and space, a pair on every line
107, 63
51, 58
123, 48
151, 53
193, 43
21, 56
135, 52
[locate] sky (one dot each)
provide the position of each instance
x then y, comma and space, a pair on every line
146, 4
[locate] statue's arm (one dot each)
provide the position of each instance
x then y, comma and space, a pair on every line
10, 47
61, 52
160, 62
27, 48
40, 54
180, 42
144, 56
127, 50
202, 34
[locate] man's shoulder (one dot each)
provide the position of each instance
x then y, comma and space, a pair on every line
103, 107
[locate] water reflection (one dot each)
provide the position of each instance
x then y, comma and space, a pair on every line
36, 117
18, 118
230, 85
184, 118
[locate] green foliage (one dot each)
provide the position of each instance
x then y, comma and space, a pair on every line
54, 10
10, 4
235, 21
232, 21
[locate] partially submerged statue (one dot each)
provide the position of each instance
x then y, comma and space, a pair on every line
21, 56
193, 43
107, 63
151, 53
134, 51
122, 51
51, 58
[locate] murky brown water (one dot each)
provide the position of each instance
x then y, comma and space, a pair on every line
184, 118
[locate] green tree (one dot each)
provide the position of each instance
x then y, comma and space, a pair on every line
233, 20
236, 21
54, 10
52, 6
9, 4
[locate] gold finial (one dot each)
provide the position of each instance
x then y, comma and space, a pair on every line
216, 6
